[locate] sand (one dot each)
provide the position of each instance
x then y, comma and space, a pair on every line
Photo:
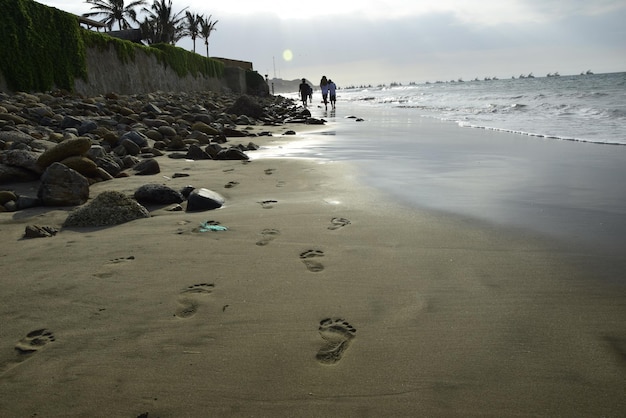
321, 299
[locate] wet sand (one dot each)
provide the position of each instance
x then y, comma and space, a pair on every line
323, 298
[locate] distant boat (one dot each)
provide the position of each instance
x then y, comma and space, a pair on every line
588, 72
556, 74
530, 75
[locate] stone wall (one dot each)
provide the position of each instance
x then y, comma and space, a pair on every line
107, 73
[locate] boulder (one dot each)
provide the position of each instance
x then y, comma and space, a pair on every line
83, 165
62, 186
204, 199
11, 174
147, 167
107, 209
64, 149
158, 194
22, 158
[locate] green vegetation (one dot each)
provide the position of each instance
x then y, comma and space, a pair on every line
42, 48
39, 46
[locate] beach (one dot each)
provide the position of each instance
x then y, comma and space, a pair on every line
323, 297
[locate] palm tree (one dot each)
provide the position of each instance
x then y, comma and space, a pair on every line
115, 11
206, 27
192, 27
166, 26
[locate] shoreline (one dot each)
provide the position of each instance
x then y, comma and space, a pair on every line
323, 298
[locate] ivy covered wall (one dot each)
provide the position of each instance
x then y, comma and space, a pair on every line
40, 46
43, 48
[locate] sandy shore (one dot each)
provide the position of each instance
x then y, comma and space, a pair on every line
322, 299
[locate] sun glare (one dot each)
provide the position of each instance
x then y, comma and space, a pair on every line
287, 55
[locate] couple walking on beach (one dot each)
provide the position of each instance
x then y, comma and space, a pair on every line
328, 88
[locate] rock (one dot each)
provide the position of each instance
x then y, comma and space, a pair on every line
158, 194
232, 154
111, 164
7, 196
137, 137
147, 167
22, 158
70, 122
197, 153
64, 149
229, 132
130, 146
83, 165
15, 136
11, 174
62, 186
166, 131
246, 105
27, 202
204, 128
107, 209
86, 127
35, 231
204, 199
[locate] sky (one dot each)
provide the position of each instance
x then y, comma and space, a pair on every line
363, 42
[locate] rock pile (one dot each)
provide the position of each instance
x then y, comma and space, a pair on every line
69, 142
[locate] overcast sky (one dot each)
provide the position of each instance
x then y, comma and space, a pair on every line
375, 41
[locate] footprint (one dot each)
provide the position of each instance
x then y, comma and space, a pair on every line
280, 183
267, 204
337, 223
338, 334
268, 235
312, 265
231, 184
269, 171
110, 273
189, 299
26, 347
34, 341
121, 259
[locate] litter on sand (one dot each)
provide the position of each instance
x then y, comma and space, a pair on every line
211, 226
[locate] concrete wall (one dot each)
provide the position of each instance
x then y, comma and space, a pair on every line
144, 75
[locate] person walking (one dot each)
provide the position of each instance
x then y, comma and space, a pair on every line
304, 91
324, 88
332, 92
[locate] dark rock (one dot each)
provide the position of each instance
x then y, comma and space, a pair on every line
70, 122
246, 105
197, 153
204, 199
62, 186
107, 209
147, 167
10, 174
158, 194
229, 132
186, 191
111, 164
137, 137
35, 231
232, 154
86, 127
7, 196
130, 146
27, 202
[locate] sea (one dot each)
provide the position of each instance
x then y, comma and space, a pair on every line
544, 154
